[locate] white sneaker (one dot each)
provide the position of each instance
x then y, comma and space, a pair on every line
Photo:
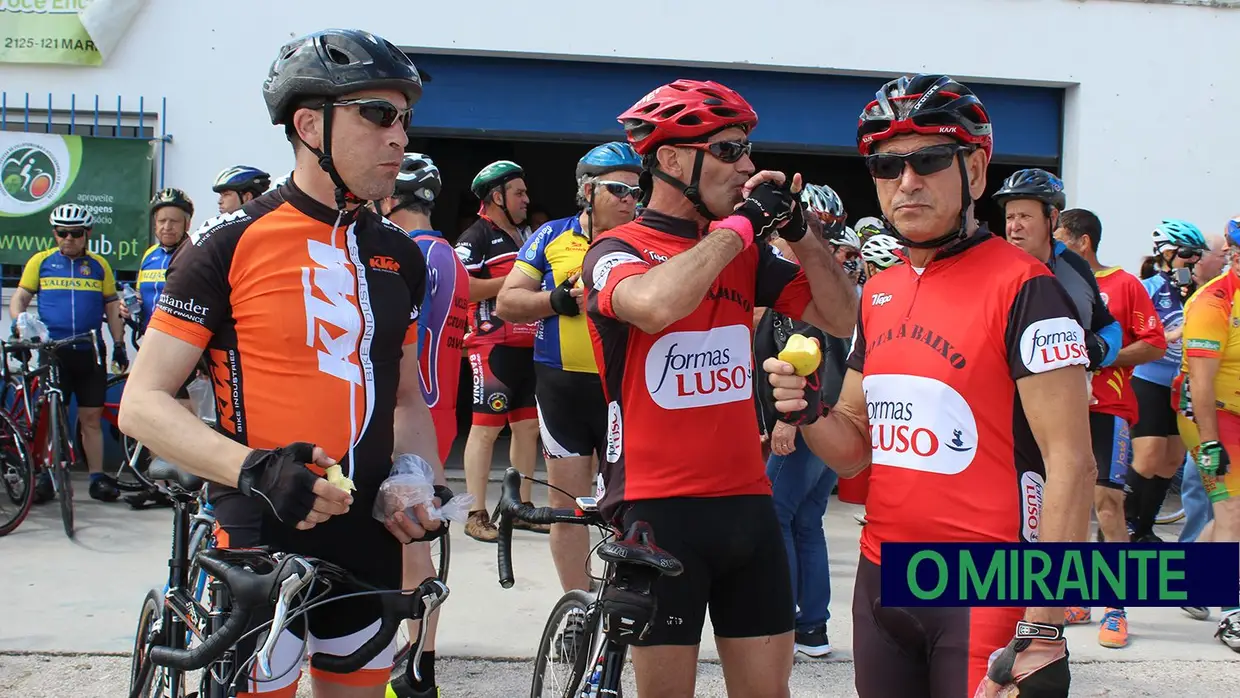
1229, 630
860, 518
1196, 612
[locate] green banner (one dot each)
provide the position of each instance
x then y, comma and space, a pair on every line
110, 177
68, 32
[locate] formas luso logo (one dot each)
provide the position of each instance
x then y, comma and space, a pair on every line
33, 175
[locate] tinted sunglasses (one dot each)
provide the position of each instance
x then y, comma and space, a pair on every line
620, 189
725, 151
74, 233
1185, 253
926, 161
379, 112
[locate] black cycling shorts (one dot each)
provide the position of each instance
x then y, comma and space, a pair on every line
922, 652
734, 565
503, 384
1112, 448
354, 541
82, 375
572, 412
1157, 415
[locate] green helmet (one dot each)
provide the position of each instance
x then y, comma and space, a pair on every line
493, 175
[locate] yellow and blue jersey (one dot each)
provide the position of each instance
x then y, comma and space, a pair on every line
552, 254
151, 275
72, 291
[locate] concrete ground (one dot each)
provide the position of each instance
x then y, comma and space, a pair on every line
68, 608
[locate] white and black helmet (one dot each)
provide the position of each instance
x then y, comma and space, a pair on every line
419, 179
880, 250
822, 201
846, 238
71, 216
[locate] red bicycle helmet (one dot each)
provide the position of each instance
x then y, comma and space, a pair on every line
929, 104
684, 111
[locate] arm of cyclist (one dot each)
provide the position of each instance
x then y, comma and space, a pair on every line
1139, 352
27, 286
1207, 322
523, 300
482, 289
116, 325
19, 302
833, 304
1201, 373
1149, 343
414, 433
841, 438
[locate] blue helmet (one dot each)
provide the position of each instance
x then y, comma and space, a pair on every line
242, 178
1233, 231
609, 157
1174, 233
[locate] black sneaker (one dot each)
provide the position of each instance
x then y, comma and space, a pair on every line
814, 643
147, 499
43, 489
1149, 538
402, 687
104, 489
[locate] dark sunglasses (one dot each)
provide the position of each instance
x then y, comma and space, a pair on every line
1185, 253
74, 233
379, 112
726, 151
926, 161
620, 189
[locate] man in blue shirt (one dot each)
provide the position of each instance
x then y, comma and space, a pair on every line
76, 287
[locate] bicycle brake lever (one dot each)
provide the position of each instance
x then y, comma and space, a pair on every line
288, 589
432, 593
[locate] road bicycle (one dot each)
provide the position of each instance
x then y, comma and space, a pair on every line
441, 551
584, 643
52, 446
17, 475
179, 634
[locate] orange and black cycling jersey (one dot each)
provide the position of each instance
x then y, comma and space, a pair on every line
305, 320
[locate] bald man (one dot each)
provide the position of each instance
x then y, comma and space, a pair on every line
1212, 262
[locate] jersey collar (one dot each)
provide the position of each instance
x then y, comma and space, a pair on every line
306, 204
680, 227
426, 233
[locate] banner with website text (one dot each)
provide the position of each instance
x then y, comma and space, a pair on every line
68, 32
110, 177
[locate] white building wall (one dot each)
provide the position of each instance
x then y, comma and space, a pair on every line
1151, 102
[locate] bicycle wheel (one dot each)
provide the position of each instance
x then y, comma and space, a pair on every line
153, 681
440, 555
17, 475
61, 460
563, 650
1170, 517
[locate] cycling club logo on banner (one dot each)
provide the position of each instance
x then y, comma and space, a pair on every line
919, 423
34, 172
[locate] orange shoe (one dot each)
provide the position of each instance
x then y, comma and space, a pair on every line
1113, 632
1075, 615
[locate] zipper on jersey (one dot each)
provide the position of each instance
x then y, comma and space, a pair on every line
908, 312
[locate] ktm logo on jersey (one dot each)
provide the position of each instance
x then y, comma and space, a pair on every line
384, 263
333, 317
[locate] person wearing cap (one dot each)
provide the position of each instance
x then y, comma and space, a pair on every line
501, 352
76, 290
308, 309
238, 185
544, 286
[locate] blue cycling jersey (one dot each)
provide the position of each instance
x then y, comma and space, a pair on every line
151, 275
1170, 308
72, 291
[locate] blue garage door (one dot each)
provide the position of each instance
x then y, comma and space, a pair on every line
527, 98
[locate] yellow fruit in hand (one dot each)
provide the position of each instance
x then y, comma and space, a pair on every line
336, 476
803, 353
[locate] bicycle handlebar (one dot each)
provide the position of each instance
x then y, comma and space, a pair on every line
511, 507
52, 345
253, 591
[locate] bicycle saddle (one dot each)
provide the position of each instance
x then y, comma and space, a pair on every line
638, 548
163, 470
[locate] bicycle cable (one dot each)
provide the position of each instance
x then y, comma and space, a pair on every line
548, 484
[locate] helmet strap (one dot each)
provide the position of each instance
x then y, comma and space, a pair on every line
962, 230
343, 195
689, 191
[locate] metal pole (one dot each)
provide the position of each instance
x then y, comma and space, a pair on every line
72, 112
163, 139
49, 112
94, 129
118, 117
26, 122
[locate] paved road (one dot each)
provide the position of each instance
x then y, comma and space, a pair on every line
81, 597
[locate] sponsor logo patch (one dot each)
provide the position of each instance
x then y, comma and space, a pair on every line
697, 369
603, 267
919, 423
1053, 343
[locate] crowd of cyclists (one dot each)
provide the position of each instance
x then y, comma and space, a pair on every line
637, 341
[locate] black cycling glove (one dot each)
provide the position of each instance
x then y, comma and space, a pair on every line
1212, 459
1035, 661
562, 300
1097, 348
813, 403
769, 208
444, 495
120, 357
280, 478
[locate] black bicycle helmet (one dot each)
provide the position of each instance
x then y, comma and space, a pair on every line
333, 63
419, 181
931, 105
174, 197
1035, 184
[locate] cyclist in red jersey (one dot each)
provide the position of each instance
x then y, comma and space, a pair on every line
965, 395
306, 303
441, 332
670, 301
1113, 409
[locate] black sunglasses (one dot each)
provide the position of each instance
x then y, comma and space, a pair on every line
621, 190
1186, 253
726, 151
74, 233
379, 112
926, 161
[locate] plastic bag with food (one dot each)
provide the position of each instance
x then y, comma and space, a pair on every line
411, 483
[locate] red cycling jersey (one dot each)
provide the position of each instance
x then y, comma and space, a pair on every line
1130, 305
940, 351
680, 415
489, 252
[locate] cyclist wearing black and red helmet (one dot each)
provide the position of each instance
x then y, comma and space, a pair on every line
670, 301
965, 396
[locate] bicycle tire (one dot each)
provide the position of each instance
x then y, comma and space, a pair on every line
403, 641
1170, 518
17, 473
573, 600
148, 677
61, 456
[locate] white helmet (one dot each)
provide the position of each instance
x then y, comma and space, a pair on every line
880, 250
822, 200
869, 226
846, 238
71, 216
279, 181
